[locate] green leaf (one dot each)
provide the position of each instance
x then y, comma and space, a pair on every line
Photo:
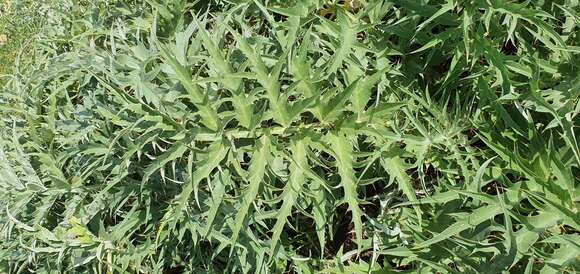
478, 216
343, 154
361, 94
254, 178
394, 166
291, 191
208, 113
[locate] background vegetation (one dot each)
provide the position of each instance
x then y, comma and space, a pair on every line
173, 136
19, 21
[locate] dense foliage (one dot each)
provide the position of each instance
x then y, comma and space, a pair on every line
174, 136
18, 20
